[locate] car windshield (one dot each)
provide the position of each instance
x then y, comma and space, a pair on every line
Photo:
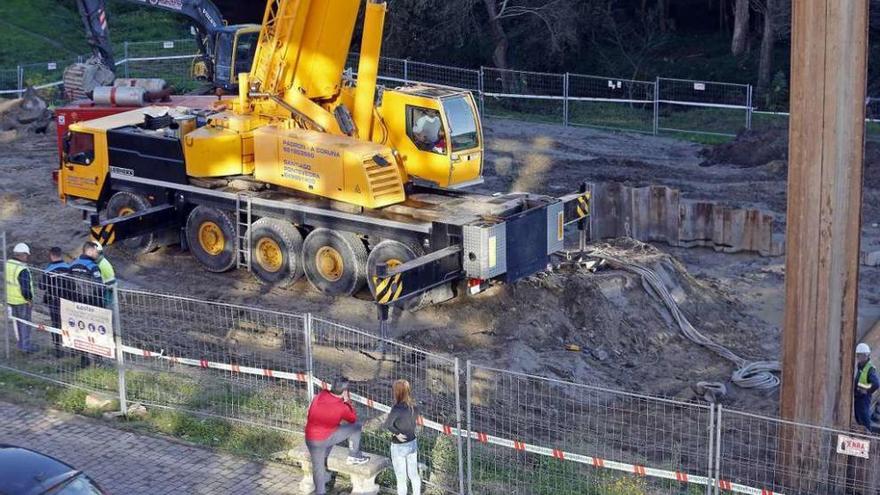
462, 123
81, 485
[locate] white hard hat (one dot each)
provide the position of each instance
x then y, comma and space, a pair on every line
100, 247
863, 349
21, 248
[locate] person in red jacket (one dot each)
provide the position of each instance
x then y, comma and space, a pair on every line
332, 420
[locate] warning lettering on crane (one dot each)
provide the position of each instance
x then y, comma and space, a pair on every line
855, 447
87, 328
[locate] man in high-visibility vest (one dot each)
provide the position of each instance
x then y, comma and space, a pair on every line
108, 275
867, 382
20, 294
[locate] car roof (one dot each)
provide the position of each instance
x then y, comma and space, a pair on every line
25, 471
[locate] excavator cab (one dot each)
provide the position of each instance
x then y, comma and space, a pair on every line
235, 47
436, 131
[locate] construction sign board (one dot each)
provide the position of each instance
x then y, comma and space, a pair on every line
855, 447
87, 328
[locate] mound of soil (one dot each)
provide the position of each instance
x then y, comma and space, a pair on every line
749, 148
628, 338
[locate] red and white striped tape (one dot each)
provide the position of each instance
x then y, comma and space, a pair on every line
448, 430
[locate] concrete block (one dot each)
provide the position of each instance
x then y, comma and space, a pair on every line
101, 402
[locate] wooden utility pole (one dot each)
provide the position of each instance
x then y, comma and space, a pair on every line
826, 153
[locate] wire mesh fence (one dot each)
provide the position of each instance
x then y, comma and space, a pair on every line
483, 430
703, 107
611, 103
784, 457
10, 82
371, 365
47, 78
524, 95
555, 437
172, 60
215, 359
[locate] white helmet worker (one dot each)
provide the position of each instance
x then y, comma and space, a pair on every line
21, 248
863, 348
100, 247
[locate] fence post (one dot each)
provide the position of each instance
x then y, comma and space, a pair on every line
5, 306
749, 109
125, 57
458, 426
120, 356
20, 80
565, 100
406, 71
717, 450
482, 90
307, 344
710, 468
468, 405
656, 105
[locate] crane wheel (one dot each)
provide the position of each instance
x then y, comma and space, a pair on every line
275, 251
210, 234
125, 203
335, 262
393, 253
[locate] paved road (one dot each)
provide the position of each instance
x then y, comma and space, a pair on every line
134, 464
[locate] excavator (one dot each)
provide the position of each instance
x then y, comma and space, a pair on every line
226, 50
311, 171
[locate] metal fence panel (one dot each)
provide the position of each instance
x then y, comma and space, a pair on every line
536, 96
47, 78
215, 359
533, 435
45, 357
170, 60
611, 103
753, 454
372, 365
443, 75
702, 107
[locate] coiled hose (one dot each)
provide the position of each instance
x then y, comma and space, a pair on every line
748, 374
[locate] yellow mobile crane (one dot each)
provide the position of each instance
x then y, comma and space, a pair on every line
310, 172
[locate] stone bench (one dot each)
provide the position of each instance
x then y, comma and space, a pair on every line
363, 476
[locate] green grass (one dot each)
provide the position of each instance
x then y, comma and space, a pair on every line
36, 31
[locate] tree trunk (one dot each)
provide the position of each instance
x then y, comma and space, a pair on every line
499, 36
662, 13
765, 66
740, 27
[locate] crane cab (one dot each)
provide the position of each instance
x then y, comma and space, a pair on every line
235, 46
436, 131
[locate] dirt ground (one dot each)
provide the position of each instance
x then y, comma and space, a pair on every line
629, 339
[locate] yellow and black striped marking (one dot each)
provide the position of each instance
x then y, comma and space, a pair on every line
583, 205
103, 234
388, 289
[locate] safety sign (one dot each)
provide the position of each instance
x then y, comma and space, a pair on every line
853, 446
87, 328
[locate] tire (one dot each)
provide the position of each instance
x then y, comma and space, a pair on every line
276, 252
342, 269
125, 203
394, 252
210, 234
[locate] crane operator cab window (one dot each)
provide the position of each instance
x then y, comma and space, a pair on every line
79, 148
245, 47
462, 123
425, 129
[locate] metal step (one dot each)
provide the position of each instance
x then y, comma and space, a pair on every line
243, 220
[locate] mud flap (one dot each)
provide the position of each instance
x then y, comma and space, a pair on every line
151, 220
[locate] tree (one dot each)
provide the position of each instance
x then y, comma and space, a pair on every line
777, 23
554, 18
740, 27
